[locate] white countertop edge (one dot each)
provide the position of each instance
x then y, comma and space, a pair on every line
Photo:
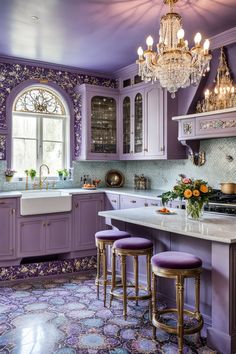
112, 214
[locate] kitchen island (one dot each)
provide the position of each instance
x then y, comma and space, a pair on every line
213, 240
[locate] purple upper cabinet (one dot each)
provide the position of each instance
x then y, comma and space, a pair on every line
145, 112
214, 124
99, 123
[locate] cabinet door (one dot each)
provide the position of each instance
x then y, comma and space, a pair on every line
31, 236
152, 202
127, 202
138, 123
86, 220
58, 233
154, 121
112, 201
7, 224
126, 123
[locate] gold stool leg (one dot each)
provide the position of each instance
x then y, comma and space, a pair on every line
180, 311
197, 296
154, 303
149, 290
98, 268
123, 269
104, 273
113, 275
136, 278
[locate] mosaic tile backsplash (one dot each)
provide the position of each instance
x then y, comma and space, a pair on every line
161, 173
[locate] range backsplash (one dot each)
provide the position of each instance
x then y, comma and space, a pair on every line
161, 173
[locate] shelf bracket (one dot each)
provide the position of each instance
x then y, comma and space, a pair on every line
197, 157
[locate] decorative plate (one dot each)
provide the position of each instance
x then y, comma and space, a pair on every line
168, 212
114, 179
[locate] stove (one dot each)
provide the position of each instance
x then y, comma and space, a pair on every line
222, 203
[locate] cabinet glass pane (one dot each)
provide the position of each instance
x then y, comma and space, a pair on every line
126, 125
138, 123
103, 125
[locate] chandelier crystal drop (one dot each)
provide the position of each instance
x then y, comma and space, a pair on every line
224, 93
173, 64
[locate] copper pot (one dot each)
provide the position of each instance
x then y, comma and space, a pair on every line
228, 188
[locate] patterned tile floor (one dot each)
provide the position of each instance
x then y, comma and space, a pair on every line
63, 316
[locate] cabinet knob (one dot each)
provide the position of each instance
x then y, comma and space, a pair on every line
162, 148
44, 224
48, 224
146, 204
113, 201
133, 201
76, 205
13, 211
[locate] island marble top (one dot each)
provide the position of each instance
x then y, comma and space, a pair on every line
212, 227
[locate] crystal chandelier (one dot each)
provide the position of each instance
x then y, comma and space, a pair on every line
224, 93
174, 64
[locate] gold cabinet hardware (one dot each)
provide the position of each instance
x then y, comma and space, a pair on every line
13, 211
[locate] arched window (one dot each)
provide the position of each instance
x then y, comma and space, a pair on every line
40, 130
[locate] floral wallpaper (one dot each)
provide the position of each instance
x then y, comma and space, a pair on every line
12, 75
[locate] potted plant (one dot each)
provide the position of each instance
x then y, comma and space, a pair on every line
9, 173
32, 174
60, 174
65, 174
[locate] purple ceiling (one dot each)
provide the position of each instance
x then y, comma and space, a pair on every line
99, 35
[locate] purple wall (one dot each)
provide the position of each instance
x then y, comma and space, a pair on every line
13, 74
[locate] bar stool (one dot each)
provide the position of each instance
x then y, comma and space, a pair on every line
133, 246
103, 239
177, 265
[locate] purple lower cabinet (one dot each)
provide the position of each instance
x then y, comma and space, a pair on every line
218, 281
86, 221
8, 229
44, 234
58, 233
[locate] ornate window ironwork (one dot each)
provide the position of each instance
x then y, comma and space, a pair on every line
39, 100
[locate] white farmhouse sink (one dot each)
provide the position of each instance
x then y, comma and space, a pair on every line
44, 202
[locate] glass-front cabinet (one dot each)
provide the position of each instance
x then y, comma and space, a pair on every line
132, 110
103, 125
142, 119
99, 107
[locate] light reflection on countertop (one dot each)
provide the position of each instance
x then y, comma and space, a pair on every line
212, 227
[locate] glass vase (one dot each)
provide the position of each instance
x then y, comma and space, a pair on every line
194, 209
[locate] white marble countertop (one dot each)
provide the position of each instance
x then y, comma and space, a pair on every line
152, 194
213, 227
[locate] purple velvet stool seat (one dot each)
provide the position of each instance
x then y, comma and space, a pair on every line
111, 235
176, 260
104, 239
179, 266
133, 243
135, 247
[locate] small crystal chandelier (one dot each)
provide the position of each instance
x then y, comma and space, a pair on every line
224, 93
174, 64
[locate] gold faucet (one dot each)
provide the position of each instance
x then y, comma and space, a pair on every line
40, 175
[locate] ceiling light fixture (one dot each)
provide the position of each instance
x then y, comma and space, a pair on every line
174, 64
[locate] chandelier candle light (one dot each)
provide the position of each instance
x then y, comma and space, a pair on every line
224, 93
174, 64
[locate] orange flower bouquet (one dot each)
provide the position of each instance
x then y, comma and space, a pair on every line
195, 192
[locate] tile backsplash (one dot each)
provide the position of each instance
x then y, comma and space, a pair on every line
161, 173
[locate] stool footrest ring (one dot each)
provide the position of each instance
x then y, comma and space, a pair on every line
173, 330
